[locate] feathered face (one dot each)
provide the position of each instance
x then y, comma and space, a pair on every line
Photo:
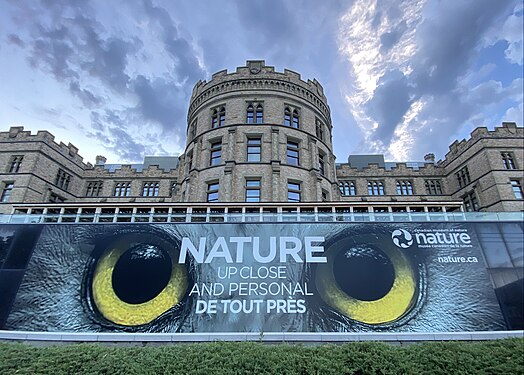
243, 278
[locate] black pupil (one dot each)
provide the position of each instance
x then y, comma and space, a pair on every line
364, 273
141, 273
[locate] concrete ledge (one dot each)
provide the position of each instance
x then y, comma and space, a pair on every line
416, 336
269, 337
339, 337
188, 337
116, 337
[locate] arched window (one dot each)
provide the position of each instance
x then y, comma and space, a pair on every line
218, 117
295, 119
222, 116
214, 119
250, 114
319, 127
260, 114
404, 187
375, 187
150, 189
287, 117
347, 188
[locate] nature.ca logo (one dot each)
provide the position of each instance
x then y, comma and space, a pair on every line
402, 238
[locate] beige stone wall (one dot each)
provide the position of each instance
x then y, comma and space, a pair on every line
482, 156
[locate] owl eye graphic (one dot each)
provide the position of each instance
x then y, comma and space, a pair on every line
134, 278
367, 281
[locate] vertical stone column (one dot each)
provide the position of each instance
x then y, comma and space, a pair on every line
197, 154
275, 144
314, 188
229, 151
276, 183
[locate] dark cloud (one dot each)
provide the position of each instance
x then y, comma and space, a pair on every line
88, 98
389, 104
105, 59
52, 51
74, 48
15, 39
162, 101
448, 42
68, 41
187, 66
271, 21
110, 128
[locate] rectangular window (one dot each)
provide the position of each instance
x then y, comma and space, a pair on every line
15, 163
216, 153
375, 187
347, 188
293, 192
321, 164
433, 187
252, 190
62, 179
212, 191
517, 189
122, 189
55, 198
254, 148
404, 187
325, 196
150, 189
507, 160
292, 153
94, 188
463, 177
471, 202
6, 191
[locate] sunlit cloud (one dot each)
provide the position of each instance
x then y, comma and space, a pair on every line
412, 64
377, 37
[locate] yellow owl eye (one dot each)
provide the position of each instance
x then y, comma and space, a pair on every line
367, 283
137, 279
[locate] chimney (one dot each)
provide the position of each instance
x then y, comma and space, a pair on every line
100, 160
429, 158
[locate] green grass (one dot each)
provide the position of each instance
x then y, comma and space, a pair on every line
489, 357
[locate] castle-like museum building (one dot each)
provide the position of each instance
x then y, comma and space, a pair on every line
259, 143
257, 229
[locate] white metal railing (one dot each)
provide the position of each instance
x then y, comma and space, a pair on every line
152, 217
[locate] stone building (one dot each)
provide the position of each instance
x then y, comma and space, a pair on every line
258, 142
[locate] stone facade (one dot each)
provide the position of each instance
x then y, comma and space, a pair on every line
265, 137
490, 177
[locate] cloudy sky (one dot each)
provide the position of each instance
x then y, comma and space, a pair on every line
403, 78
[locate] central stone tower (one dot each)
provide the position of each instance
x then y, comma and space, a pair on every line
257, 135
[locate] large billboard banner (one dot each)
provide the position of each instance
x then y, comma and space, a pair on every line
254, 277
